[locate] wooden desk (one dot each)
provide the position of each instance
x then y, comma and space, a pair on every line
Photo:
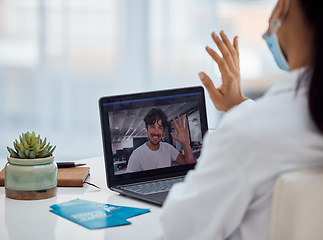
32, 219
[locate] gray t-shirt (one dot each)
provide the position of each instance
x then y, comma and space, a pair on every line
142, 158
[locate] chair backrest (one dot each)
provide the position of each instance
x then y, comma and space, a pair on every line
297, 207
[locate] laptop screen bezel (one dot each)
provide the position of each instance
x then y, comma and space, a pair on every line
120, 179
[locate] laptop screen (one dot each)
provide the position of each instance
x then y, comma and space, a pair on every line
152, 133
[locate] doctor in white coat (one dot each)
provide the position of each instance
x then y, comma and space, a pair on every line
228, 195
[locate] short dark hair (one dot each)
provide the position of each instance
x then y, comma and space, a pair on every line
154, 115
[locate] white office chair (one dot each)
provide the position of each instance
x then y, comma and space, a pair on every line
297, 208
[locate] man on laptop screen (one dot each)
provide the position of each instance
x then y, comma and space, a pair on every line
154, 137
157, 154
151, 140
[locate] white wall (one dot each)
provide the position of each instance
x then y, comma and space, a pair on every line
58, 57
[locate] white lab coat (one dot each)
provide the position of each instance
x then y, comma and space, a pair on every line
228, 195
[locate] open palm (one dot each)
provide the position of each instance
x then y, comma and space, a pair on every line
182, 130
229, 93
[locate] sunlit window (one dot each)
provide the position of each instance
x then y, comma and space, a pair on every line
58, 57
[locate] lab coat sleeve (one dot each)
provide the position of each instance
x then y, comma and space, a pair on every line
212, 201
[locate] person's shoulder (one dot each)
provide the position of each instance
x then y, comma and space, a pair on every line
271, 108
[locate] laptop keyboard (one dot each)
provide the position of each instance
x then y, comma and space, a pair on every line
153, 187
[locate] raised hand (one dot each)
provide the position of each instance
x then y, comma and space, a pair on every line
182, 130
229, 93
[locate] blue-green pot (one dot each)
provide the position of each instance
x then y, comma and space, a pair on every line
29, 179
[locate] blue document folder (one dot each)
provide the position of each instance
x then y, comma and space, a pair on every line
94, 215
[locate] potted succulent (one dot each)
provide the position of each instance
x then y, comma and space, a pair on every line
31, 172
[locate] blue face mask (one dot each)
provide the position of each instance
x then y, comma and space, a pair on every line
273, 44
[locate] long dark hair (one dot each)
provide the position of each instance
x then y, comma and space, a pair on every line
313, 11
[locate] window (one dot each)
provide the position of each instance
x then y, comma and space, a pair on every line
58, 57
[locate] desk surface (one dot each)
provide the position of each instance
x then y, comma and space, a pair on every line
32, 219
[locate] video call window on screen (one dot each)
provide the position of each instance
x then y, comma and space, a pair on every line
128, 131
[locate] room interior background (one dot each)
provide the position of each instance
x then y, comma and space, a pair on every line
58, 57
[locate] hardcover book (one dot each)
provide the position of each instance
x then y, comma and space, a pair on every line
66, 177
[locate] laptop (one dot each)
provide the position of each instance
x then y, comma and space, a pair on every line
124, 133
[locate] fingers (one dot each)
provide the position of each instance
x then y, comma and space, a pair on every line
223, 49
223, 67
229, 52
224, 97
175, 124
180, 123
234, 51
214, 93
183, 122
236, 47
174, 136
235, 44
180, 126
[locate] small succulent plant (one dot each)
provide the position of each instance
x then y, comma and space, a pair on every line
31, 146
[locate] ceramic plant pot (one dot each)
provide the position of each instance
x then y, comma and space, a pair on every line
31, 179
